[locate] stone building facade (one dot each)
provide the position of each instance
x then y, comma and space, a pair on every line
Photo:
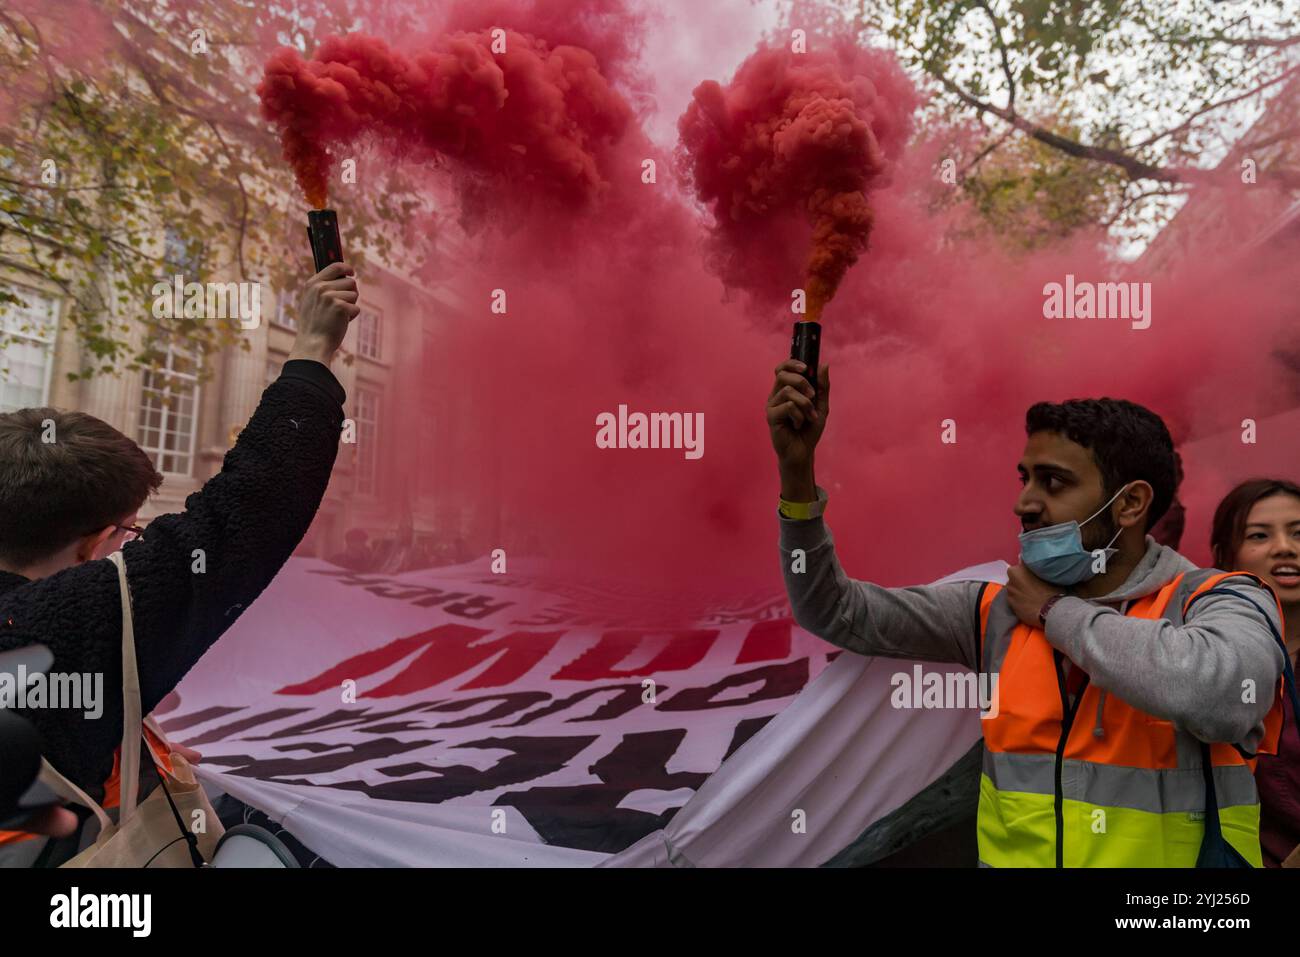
386, 481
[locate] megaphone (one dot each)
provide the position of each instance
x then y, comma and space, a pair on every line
247, 845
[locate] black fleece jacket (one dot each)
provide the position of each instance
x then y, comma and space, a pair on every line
247, 520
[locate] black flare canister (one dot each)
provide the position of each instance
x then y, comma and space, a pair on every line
323, 234
806, 347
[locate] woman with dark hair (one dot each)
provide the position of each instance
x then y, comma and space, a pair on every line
1257, 529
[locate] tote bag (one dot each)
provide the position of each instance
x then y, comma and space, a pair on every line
175, 826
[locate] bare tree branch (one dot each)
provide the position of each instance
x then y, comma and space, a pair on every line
1131, 201
995, 145
1133, 167
1277, 43
1002, 49
1226, 101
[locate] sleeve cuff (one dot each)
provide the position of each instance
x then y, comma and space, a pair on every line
802, 511
1066, 609
318, 375
804, 533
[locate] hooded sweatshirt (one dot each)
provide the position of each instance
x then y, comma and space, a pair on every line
1192, 675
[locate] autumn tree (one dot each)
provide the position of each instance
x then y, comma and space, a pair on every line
131, 149
1115, 107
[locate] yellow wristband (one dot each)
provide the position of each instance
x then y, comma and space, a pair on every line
801, 511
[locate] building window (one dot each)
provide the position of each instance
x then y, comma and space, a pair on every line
273, 367
42, 197
185, 255
367, 440
283, 314
27, 331
168, 406
369, 333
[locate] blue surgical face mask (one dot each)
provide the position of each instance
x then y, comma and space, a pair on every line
1056, 553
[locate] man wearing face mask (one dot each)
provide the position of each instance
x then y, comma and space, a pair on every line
1121, 672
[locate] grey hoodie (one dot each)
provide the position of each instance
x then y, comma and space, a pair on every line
1193, 675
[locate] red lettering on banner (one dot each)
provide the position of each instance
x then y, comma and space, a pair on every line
448, 651
523, 650
684, 649
767, 641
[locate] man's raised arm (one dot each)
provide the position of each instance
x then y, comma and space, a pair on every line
192, 574
1215, 676
926, 622
248, 518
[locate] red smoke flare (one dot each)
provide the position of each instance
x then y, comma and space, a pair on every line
795, 134
530, 117
945, 324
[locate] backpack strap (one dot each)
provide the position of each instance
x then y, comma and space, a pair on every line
131, 716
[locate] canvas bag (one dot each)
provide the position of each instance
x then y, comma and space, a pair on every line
147, 833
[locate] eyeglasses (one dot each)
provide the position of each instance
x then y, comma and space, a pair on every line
132, 532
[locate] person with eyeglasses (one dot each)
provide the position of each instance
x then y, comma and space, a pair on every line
71, 489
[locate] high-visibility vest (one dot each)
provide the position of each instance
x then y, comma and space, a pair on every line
1099, 783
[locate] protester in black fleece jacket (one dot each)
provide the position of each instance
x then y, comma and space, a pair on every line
247, 520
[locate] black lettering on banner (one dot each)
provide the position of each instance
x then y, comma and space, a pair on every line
545, 617
745, 730
408, 592
510, 703
201, 716
353, 718
290, 770
462, 604
779, 681
477, 606
233, 728
627, 699
528, 759
432, 597
587, 816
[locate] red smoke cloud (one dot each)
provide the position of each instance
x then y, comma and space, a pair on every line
611, 30
75, 33
531, 118
614, 298
795, 136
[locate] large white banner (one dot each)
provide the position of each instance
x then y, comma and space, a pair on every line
455, 717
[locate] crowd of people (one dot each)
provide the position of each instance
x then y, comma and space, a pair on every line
398, 552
